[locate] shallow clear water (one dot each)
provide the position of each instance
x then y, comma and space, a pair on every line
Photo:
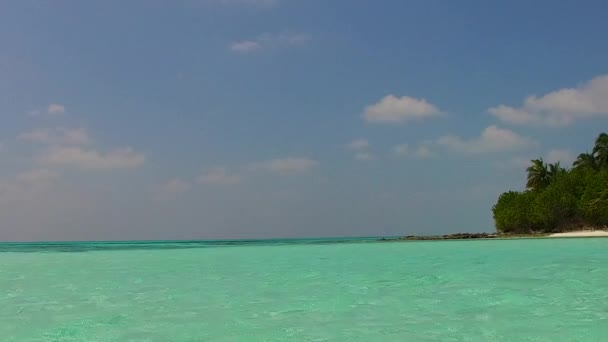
306, 290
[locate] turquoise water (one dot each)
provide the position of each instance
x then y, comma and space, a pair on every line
306, 290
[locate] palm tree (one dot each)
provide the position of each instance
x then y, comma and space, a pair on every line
600, 150
554, 170
538, 175
585, 160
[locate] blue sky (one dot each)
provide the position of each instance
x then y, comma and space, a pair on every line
286, 118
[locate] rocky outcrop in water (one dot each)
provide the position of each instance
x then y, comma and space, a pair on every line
456, 236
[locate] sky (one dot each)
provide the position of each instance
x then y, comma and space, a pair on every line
226, 119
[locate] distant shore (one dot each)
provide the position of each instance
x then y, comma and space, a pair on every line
456, 236
485, 236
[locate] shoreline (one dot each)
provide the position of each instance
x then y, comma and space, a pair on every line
493, 236
462, 236
580, 233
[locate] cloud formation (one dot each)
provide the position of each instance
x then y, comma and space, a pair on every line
37, 176
284, 166
249, 2
364, 156
424, 152
360, 147
245, 46
123, 158
564, 156
401, 150
57, 136
268, 40
172, 188
392, 109
492, 139
54, 109
358, 144
561, 107
218, 176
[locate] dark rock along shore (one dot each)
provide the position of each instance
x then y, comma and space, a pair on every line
456, 236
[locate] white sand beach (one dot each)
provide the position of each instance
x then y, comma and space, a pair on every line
582, 233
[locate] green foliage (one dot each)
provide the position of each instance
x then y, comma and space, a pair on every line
600, 151
555, 170
555, 207
573, 181
538, 175
558, 199
513, 212
584, 161
594, 201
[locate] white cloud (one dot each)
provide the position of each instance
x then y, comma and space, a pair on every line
172, 188
560, 107
54, 109
59, 136
358, 144
249, 2
38, 135
218, 175
424, 152
268, 40
565, 157
518, 162
363, 156
285, 166
177, 186
123, 158
512, 115
392, 109
24, 182
245, 46
33, 205
76, 136
401, 150
36, 176
492, 139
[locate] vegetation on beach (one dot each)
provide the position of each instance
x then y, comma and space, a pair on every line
557, 199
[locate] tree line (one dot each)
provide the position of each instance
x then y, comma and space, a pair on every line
558, 199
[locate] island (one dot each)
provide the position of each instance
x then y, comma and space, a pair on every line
556, 202
556, 199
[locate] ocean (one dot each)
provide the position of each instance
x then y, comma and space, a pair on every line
305, 290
